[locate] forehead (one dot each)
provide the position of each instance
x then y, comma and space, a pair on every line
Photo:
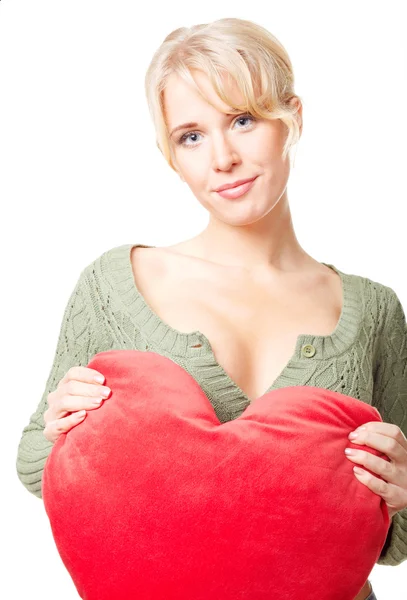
183, 103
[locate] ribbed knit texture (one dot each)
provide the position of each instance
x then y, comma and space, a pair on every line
365, 357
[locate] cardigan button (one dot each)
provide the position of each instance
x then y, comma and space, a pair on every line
308, 350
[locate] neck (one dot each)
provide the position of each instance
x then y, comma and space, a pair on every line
270, 243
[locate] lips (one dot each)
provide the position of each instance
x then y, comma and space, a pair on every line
228, 186
238, 191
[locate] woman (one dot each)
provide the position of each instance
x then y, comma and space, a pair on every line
230, 304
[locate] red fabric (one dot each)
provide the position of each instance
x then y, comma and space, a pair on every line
152, 498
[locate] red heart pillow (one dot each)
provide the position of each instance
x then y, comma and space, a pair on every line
152, 498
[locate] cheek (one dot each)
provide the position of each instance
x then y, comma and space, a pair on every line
267, 143
192, 166
197, 173
261, 156
198, 181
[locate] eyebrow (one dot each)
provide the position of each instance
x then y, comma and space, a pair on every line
191, 124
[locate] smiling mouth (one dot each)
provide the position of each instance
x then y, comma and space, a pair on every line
237, 191
237, 184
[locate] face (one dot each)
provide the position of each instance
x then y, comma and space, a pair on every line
223, 149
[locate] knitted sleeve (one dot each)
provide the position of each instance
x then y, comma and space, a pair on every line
390, 398
74, 347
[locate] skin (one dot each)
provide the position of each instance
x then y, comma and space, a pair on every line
254, 235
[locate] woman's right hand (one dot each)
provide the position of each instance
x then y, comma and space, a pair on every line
77, 390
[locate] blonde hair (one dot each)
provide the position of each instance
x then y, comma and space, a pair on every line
248, 52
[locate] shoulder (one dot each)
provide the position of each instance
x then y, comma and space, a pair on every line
110, 271
108, 262
105, 283
378, 298
387, 301
385, 315
377, 307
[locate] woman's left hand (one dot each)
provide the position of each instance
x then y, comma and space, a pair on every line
390, 440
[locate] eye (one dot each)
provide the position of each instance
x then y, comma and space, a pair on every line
185, 137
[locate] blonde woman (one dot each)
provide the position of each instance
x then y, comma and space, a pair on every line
230, 304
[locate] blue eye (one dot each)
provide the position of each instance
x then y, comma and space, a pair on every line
184, 137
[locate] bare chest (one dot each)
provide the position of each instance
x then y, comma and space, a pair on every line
252, 327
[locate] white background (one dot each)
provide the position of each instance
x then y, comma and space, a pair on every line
80, 173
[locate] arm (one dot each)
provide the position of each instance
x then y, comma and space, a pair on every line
390, 398
74, 347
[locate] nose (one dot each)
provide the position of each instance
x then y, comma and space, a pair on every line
224, 154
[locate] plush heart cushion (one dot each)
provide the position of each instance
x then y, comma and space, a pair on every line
152, 498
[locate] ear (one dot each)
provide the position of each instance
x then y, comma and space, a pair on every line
296, 100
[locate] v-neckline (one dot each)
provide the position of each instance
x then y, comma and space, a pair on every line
195, 345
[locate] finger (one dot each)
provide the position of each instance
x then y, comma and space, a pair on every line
84, 374
387, 491
378, 486
388, 445
55, 428
79, 388
75, 396
377, 465
70, 403
389, 429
